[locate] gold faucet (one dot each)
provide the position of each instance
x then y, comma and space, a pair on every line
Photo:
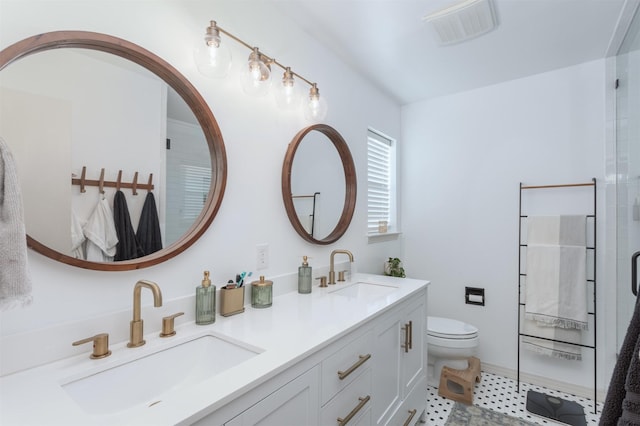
332, 274
136, 334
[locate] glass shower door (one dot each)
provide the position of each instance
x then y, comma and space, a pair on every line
628, 171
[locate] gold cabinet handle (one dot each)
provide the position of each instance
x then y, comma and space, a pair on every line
410, 334
168, 325
362, 403
406, 346
411, 414
100, 345
361, 360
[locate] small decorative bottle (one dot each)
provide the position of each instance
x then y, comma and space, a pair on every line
206, 301
304, 277
261, 293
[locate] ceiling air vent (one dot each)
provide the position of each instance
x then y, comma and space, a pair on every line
462, 21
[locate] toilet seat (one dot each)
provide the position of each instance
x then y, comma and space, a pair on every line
447, 328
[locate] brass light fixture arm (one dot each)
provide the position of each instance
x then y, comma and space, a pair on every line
265, 58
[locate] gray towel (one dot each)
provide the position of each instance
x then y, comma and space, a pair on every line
613, 404
15, 283
631, 403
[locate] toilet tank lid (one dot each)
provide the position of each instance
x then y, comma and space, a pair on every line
449, 326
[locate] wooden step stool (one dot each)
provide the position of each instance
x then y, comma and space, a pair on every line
458, 384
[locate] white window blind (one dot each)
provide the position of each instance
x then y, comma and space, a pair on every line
197, 181
379, 180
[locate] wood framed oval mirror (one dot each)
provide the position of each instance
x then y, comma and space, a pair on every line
176, 86
319, 184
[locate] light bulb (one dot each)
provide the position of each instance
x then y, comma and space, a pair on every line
315, 108
287, 93
213, 58
256, 76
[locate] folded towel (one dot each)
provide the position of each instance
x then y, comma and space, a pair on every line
15, 282
549, 348
616, 392
556, 285
557, 230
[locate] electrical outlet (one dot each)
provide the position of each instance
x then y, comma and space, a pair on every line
262, 256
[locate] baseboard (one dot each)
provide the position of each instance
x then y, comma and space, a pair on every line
544, 381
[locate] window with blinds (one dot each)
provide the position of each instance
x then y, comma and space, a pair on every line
197, 181
380, 181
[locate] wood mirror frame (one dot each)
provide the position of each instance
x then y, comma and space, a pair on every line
350, 183
171, 76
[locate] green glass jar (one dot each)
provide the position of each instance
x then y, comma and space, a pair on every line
261, 293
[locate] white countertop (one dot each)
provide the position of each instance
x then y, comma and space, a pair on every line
296, 326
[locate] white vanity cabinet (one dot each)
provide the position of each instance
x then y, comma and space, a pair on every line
347, 381
294, 403
353, 353
399, 386
374, 375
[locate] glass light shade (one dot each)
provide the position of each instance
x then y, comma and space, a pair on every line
287, 92
315, 106
256, 76
213, 61
213, 58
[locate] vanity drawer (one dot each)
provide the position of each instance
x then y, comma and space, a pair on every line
412, 407
345, 365
352, 404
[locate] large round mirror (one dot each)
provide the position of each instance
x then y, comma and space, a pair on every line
104, 114
319, 184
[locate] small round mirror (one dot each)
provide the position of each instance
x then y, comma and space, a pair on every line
319, 184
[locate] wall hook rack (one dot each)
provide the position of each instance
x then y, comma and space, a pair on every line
117, 184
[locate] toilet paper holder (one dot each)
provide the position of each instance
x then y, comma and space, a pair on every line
474, 296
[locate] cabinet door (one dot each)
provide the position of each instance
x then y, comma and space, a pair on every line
296, 403
386, 393
413, 359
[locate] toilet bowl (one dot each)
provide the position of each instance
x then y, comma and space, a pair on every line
449, 342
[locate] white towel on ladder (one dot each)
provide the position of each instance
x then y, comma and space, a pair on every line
556, 284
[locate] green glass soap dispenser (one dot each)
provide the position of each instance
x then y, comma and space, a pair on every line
304, 277
206, 301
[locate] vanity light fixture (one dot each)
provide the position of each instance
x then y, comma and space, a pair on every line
213, 59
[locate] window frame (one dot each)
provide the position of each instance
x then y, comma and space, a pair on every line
393, 225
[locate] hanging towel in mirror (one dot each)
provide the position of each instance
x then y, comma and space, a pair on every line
15, 282
148, 232
100, 231
128, 246
77, 237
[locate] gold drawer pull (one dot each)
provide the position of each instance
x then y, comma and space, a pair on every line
407, 344
362, 403
410, 334
362, 359
411, 414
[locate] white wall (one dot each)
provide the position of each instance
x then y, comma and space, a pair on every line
465, 155
256, 136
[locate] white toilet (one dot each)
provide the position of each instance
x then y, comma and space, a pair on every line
449, 342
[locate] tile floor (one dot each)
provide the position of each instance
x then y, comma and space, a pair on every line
499, 393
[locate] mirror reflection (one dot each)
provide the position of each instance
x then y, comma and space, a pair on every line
319, 184
65, 110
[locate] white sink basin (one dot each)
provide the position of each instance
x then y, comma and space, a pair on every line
145, 379
365, 290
